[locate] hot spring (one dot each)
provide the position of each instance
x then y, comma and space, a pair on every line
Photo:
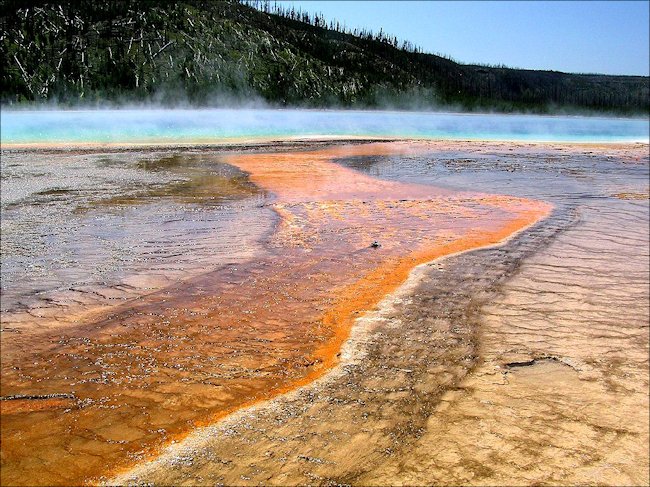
156, 126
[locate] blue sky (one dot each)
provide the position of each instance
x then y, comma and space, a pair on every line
609, 37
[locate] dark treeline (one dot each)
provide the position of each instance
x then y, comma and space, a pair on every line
208, 53
318, 20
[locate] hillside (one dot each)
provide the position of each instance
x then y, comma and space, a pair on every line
208, 53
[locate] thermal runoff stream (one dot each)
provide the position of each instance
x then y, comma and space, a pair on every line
343, 291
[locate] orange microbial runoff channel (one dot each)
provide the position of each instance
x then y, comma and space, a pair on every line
108, 392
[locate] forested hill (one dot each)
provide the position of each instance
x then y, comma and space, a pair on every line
208, 53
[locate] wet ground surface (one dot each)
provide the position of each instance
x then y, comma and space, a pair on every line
89, 230
86, 392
